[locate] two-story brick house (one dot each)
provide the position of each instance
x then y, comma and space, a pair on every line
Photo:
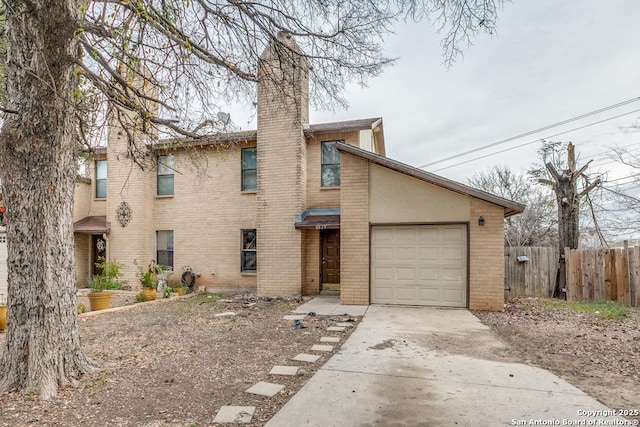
292, 208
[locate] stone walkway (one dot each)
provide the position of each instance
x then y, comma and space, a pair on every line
244, 414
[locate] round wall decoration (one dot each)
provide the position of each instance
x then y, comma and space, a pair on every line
123, 213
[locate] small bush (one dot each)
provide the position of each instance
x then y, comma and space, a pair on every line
141, 297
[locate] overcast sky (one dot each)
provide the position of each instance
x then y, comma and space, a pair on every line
549, 61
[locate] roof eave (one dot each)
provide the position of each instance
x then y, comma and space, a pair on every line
510, 208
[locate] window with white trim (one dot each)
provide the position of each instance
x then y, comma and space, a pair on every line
101, 179
330, 168
248, 254
164, 244
165, 175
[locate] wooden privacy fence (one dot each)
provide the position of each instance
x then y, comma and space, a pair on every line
603, 274
531, 276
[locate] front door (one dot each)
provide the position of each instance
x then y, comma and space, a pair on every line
330, 259
99, 251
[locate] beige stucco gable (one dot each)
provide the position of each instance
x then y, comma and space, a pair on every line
395, 197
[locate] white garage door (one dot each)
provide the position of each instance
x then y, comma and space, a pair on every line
419, 265
3, 265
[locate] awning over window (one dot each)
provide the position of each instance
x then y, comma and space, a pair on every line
92, 225
319, 219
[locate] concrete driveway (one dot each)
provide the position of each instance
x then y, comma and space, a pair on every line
408, 366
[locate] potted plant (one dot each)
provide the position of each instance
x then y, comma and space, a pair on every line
3, 313
148, 284
110, 279
179, 289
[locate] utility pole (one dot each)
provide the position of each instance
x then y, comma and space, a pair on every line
567, 196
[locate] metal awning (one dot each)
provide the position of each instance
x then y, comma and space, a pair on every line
92, 225
319, 219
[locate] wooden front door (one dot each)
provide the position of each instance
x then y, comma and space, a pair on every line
99, 249
330, 256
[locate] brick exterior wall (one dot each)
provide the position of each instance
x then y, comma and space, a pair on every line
317, 196
354, 230
311, 281
82, 253
486, 257
282, 175
207, 214
134, 245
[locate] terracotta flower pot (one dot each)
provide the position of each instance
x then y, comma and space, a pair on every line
3, 317
99, 300
149, 293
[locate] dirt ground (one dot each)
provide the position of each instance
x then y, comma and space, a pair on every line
176, 363
599, 356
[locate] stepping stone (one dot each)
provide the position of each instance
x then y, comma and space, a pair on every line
329, 339
303, 357
284, 370
345, 324
225, 314
336, 328
265, 389
294, 317
319, 347
234, 414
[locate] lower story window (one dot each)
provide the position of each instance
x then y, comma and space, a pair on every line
164, 254
248, 256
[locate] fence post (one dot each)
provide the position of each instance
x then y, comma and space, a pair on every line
634, 274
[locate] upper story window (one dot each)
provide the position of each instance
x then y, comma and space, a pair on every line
249, 175
165, 175
330, 170
101, 179
164, 243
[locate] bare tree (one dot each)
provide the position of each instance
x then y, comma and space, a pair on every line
563, 178
537, 225
163, 67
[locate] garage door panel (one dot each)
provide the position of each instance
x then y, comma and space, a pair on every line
406, 254
405, 234
452, 275
429, 253
405, 273
453, 254
429, 234
419, 265
383, 273
427, 274
383, 253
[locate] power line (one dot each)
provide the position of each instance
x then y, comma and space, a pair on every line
522, 135
528, 143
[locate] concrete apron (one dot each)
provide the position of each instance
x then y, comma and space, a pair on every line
408, 366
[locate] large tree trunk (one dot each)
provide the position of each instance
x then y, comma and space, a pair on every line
38, 167
567, 224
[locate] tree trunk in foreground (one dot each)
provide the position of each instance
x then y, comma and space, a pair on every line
38, 168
